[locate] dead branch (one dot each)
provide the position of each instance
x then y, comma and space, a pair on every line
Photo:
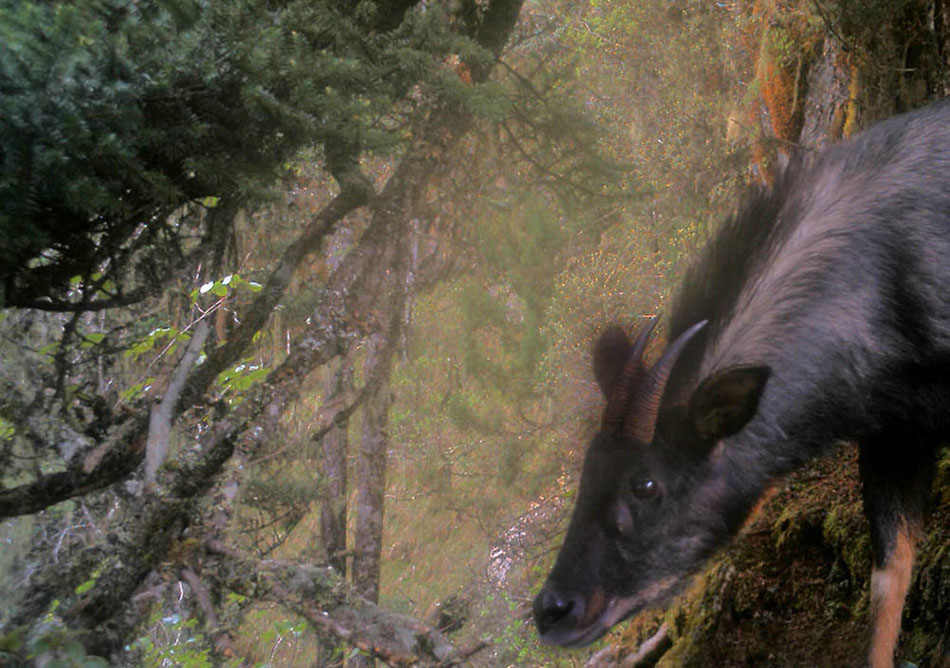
320, 596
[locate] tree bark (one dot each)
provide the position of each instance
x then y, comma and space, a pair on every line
371, 480
333, 473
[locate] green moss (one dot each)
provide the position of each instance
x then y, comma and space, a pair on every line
845, 531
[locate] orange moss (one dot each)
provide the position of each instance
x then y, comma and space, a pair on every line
789, 41
854, 89
779, 90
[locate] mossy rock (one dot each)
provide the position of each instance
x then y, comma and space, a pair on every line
793, 589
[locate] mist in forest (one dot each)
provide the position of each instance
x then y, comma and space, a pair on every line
298, 302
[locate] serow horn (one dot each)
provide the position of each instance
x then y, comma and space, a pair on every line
641, 421
632, 375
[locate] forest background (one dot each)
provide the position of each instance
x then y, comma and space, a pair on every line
298, 300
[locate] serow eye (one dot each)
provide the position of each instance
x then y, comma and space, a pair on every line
644, 489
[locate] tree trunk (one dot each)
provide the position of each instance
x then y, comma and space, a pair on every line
333, 486
333, 474
371, 482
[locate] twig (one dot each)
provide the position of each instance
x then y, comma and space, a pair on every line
651, 649
647, 654
466, 653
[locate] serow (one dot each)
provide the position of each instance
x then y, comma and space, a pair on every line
819, 314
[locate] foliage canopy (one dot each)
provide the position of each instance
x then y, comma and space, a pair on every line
114, 114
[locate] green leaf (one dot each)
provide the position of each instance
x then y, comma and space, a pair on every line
50, 349
85, 586
92, 339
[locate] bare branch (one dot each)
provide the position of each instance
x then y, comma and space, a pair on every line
160, 423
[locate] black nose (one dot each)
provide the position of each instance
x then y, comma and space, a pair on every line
550, 607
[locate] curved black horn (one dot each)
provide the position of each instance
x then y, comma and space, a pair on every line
646, 403
631, 376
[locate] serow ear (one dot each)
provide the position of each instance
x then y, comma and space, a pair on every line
610, 353
725, 402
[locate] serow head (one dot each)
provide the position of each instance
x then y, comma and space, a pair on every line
640, 528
